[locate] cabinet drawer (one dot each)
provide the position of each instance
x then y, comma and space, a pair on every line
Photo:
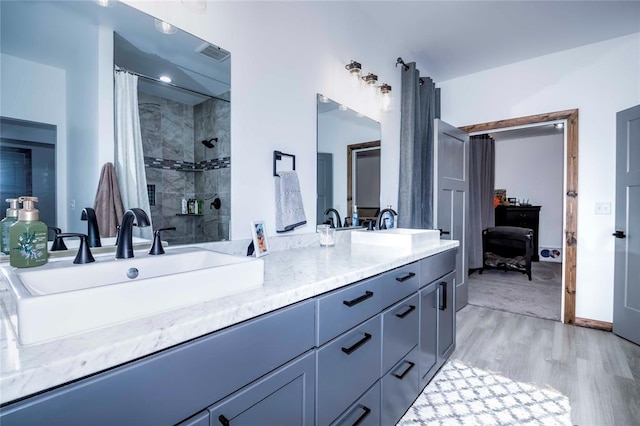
400, 387
285, 397
399, 331
365, 411
400, 283
347, 367
340, 310
433, 267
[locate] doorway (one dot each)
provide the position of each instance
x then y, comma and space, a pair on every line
363, 179
570, 190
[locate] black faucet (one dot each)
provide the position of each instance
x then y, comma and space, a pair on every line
379, 224
124, 249
335, 212
156, 247
93, 233
84, 254
58, 243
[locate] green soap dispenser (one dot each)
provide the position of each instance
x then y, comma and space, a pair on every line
28, 236
5, 224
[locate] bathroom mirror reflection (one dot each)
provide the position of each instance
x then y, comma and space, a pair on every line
57, 70
348, 164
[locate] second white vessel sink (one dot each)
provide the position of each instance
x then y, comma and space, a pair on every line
60, 298
397, 237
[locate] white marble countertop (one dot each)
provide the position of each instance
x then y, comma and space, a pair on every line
291, 275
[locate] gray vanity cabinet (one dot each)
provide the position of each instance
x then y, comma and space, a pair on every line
173, 385
284, 397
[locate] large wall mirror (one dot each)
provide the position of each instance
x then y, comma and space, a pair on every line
57, 65
348, 163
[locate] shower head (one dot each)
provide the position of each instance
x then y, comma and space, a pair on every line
208, 143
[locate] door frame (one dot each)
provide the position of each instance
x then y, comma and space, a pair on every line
571, 194
350, 153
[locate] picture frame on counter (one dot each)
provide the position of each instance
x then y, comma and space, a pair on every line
260, 242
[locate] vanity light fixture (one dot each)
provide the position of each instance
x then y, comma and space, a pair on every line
385, 89
355, 68
165, 27
370, 80
165, 79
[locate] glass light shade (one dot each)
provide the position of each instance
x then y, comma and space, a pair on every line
386, 102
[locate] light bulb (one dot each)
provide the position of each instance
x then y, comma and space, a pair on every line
385, 90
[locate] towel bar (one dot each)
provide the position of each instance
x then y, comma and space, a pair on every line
277, 155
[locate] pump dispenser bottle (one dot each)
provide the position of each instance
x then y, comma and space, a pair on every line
5, 224
354, 216
28, 236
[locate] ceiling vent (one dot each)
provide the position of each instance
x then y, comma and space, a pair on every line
213, 52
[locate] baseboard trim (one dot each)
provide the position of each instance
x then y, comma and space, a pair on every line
589, 323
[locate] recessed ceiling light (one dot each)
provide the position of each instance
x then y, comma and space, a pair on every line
165, 79
165, 27
559, 125
342, 107
324, 99
105, 3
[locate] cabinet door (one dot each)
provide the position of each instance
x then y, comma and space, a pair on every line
446, 316
428, 332
285, 397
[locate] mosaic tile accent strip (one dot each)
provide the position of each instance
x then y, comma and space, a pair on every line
160, 163
462, 395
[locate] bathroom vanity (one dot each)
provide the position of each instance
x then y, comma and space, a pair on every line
339, 335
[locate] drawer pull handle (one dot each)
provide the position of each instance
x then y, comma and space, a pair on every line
366, 410
367, 294
407, 312
356, 345
223, 420
406, 277
443, 296
405, 372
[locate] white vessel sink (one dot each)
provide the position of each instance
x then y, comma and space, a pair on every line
60, 298
397, 237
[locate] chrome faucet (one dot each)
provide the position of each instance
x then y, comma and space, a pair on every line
124, 249
337, 215
93, 233
379, 224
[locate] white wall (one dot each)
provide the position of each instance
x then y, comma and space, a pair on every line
599, 79
283, 54
533, 168
36, 92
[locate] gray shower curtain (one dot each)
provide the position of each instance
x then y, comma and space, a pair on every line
481, 194
417, 113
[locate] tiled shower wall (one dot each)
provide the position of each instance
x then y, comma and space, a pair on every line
171, 137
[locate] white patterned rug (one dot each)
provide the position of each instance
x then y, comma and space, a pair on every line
463, 395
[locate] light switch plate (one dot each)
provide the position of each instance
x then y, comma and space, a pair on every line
603, 208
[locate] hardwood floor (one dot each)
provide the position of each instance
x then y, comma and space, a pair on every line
598, 371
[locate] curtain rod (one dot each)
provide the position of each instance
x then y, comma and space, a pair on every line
120, 69
406, 68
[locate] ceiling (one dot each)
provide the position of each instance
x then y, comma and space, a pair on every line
449, 39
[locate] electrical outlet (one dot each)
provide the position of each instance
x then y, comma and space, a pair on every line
603, 208
72, 205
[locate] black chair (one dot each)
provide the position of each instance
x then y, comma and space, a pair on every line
508, 248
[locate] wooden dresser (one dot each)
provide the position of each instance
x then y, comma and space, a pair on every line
523, 217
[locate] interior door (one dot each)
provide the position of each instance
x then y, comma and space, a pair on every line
325, 185
626, 306
451, 196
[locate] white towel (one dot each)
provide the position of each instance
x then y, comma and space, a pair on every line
289, 208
